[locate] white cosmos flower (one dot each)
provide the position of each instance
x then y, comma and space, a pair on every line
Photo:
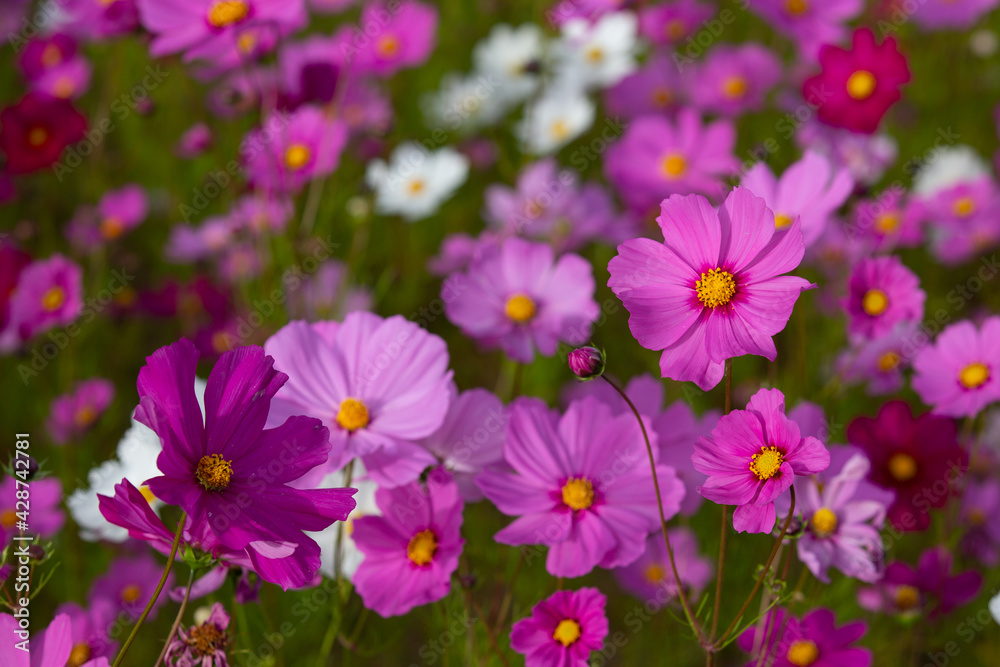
351, 557
947, 167
560, 116
995, 607
416, 181
597, 55
511, 57
464, 103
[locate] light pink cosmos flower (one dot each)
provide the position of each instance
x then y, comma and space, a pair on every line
882, 293
735, 79
521, 298
881, 361
810, 190
52, 647
959, 374
887, 221
810, 23
753, 456
73, 414
45, 516
308, 148
714, 288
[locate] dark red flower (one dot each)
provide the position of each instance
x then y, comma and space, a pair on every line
919, 458
34, 132
12, 261
856, 87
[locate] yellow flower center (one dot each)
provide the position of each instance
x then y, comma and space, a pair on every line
85, 416
861, 85
246, 42
422, 547
54, 298
147, 494
802, 653
51, 56
520, 308
796, 7
227, 13
415, 187
214, 472
112, 227
567, 632
824, 522
902, 467
874, 302
595, 54
673, 166
907, 597
662, 97
8, 519
888, 361
781, 220
559, 130
387, 46
766, 463
79, 655
734, 87
716, 288
37, 137
297, 156
655, 573
578, 493
63, 87
886, 222
130, 593
352, 415
964, 206
974, 375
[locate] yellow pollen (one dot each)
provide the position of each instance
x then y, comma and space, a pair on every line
297, 156
227, 13
874, 302
907, 597
559, 130
79, 655
824, 522
673, 166
8, 519
214, 472
112, 228
422, 547
781, 220
246, 42
533, 208
595, 54
54, 298
716, 288
662, 97
51, 56
802, 653
85, 416
567, 632
520, 308
964, 206
886, 223
976, 517
902, 467
130, 593
766, 463
63, 87
734, 87
352, 415
655, 573
147, 494
387, 46
578, 493
888, 361
796, 7
861, 85
676, 29
220, 341
415, 187
974, 375
37, 137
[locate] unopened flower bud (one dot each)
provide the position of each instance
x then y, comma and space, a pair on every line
587, 362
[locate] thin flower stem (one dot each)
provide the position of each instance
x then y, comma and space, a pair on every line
489, 634
156, 593
725, 524
767, 568
659, 505
177, 621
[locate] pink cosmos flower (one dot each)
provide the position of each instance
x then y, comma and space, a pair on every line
100, 19
52, 647
129, 583
887, 221
310, 70
89, 628
658, 157
645, 392
592, 504
951, 14
196, 140
783, 640
856, 87
563, 629
72, 415
810, 23
652, 579
49, 294
882, 293
963, 219
678, 429
412, 549
810, 190
735, 79
405, 35
209, 29
658, 87
867, 156
66, 81
521, 298
42, 54
673, 22
958, 374
379, 385
45, 516
308, 148
714, 288
459, 251
881, 361
203, 644
930, 588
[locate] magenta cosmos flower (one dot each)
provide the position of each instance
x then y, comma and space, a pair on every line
881, 361
809, 190
672, 22
45, 518
920, 459
651, 578
814, 641
308, 148
881, 294
89, 629
225, 469
52, 647
930, 588
957, 375
733, 80
810, 23
856, 87
122, 210
209, 29
887, 221
657, 87
72, 415
563, 629
379, 385
405, 35
714, 288
100, 19
591, 503
520, 298
204, 644
129, 583
980, 514
49, 293
658, 157
412, 549
951, 14
753, 457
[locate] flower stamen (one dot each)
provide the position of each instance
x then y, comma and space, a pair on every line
578, 493
766, 463
716, 288
567, 632
214, 472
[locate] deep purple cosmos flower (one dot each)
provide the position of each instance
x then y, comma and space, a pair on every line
714, 288
929, 588
882, 292
856, 87
379, 385
52, 647
593, 503
652, 579
521, 298
46, 517
753, 457
203, 644
72, 415
782, 640
412, 549
735, 79
959, 374
919, 458
226, 470
563, 629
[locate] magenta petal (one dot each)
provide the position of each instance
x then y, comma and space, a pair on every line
754, 518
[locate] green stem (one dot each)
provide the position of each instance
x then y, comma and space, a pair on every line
725, 526
177, 621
